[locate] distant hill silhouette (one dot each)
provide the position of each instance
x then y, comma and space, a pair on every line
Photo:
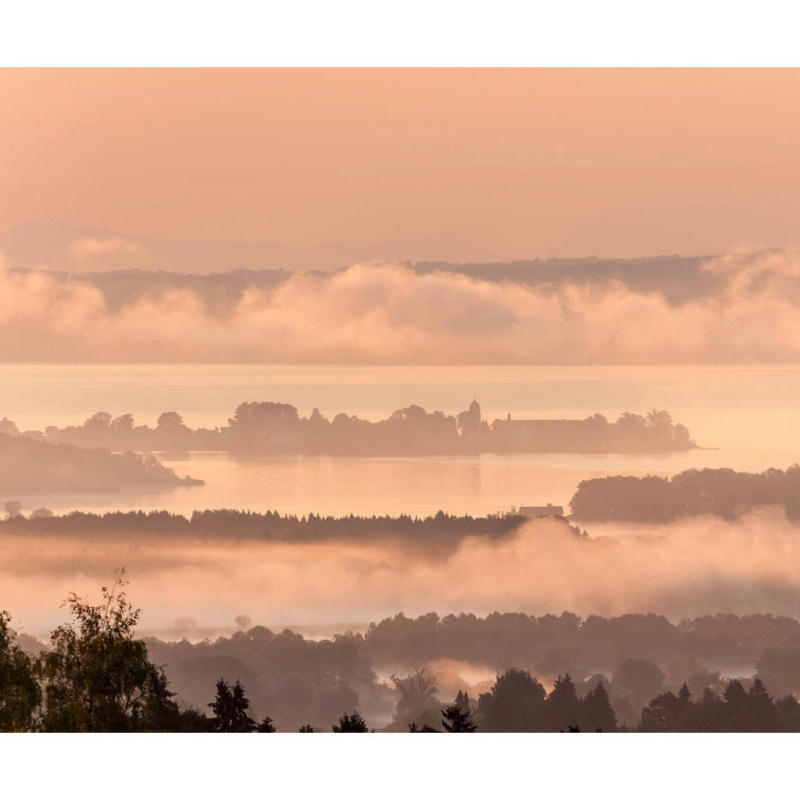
125, 267
27, 465
720, 492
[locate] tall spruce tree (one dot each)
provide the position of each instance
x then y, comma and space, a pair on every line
457, 717
230, 709
596, 713
562, 705
351, 723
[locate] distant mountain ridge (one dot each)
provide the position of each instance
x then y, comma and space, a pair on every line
126, 268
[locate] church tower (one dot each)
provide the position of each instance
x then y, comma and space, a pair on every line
470, 420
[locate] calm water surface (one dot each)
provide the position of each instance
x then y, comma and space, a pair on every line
749, 415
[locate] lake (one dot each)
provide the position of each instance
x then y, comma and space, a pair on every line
747, 416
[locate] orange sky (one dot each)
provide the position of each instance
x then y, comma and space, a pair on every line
513, 162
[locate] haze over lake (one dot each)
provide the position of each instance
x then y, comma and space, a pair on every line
742, 413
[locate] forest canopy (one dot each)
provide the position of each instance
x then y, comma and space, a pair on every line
720, 492
96, 674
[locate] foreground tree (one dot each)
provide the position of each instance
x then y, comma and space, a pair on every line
413, 727
230, 710
789, 713
97, 677
514, 704
562, 705
595, 712
457, 717
663, 714
190, 720
351, 723
19, 690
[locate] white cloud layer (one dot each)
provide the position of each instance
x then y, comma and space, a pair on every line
384, 313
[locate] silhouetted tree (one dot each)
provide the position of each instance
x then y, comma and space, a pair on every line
414, 728
97, 676
190, 720
457, 717
20, 694
516, 702
736, 706
662, 714
266, 726
462, 701
351, 723
230, 709
788, 714
762, 715
562, 705
306, 729
595, 711
667, 712
708, 715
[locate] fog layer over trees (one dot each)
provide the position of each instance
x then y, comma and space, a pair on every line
325, 571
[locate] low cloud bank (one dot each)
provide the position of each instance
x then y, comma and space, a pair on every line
384, 313
690, 568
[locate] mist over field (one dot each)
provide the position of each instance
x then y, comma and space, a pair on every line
390, 314
688, 568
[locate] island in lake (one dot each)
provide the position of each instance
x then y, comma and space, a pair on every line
278, 428
28, 465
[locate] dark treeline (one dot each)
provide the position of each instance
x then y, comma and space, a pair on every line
95, 675
678, 278
266, 427
296, 681
439, 529
721, 492
27, 464
635, 656
736, 710
518, 702
567, 642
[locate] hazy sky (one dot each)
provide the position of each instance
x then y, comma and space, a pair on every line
513, 162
